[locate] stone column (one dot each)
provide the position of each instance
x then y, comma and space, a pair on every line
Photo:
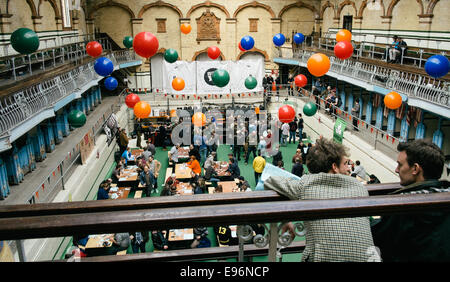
232, 49
37, 23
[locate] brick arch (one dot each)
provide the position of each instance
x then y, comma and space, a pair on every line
159, 4
346, 3
299, 4
395, 2
364, 6
255, 50
34, 12
431, 6
206, 51
110, 3
254, 4
324, 7
207, 4
54, 6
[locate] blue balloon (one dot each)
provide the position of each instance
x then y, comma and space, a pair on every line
247, 42
299, 38
279, 39
111, 83
103, 66
437, 66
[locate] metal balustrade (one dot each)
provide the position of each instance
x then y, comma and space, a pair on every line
25, 104
411, 84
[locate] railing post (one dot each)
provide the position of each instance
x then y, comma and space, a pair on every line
20, 250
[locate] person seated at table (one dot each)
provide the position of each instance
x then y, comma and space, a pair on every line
194, 165
103, 191
224, 235
150, 147
160, 241
210, 160
298, 155
127, 155
243, 185
140, 163
146, 154
200, 238
201, 186
193, 151
218, 189
170, 189
120, 241
122, 163
173, 155
373, 179
116, 174
147, 180
138, 241
233, 168
280, 164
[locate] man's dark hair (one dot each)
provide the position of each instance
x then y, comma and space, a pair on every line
321, 157
357, 162
426, 154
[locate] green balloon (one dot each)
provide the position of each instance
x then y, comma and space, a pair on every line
128, 42
25, 41
250, 82
221, 78
310, 109
171, 55
76, 118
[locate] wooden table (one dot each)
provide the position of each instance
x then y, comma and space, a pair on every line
119, 192
99, 241
228, 186
184, 188
181, 234
221, 168
182, 171
137, 152
129, 177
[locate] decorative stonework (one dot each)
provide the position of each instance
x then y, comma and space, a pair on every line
253, 25
161, 25
208, 27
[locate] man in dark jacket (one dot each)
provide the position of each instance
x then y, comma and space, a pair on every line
138, 241
420, 236
297, 168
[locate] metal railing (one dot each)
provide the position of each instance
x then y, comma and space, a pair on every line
413, 85
242, 209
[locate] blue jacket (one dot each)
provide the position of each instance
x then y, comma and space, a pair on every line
102, 194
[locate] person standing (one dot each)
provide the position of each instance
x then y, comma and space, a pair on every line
292, 130
147, 180
258, 166
422, 236
123, 140
329, 178
300, 127
284, 133
297, 168
355, 114
138, 241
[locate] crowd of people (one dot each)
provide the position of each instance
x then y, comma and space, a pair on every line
330, 174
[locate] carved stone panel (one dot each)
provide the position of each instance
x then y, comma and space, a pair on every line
208, 27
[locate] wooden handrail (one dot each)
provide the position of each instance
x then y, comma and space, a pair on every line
193, 216
62, 208
196, 254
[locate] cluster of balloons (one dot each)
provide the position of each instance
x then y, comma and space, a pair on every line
279, 39
343, 48
141, 109
102, 66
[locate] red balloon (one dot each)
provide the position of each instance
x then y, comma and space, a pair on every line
300, 80
240, 47
131, 100
343, 50
145, 44
213, 52
286, 114
94, 49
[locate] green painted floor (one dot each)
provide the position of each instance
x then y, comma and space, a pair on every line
246, 171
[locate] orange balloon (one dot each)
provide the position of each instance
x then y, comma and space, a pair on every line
257, 110
186, 28
343, 35
199, 119
173, 113
318, 64
393, 100
178, 83
142, 109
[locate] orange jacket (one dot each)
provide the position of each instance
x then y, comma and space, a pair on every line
195, 166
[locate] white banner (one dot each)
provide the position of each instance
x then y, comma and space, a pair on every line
182, 69
205, 70
242, 69
157, 65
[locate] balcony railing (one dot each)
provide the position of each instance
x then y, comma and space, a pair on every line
160, 213
413, 85
25, 104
